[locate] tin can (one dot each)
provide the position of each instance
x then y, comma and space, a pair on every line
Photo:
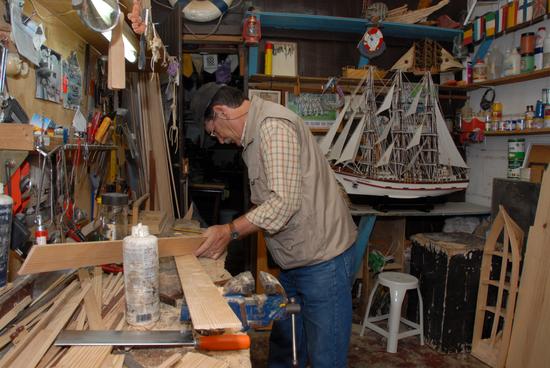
527, 63
520, 124
516, 155
546, 96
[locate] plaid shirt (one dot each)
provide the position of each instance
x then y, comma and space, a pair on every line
281, 157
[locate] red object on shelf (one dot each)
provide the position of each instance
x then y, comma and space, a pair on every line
252, 30
472, 131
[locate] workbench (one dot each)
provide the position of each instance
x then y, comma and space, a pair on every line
385, 230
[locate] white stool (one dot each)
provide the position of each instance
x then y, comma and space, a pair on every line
398, 283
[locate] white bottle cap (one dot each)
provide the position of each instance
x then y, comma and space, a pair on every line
140, 230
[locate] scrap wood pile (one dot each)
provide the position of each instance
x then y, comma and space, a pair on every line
75, 302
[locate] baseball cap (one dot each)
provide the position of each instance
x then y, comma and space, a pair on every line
202, 99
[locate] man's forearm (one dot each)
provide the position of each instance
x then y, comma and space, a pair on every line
244, 227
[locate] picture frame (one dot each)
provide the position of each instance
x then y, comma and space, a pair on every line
317, 110
265, 94
285, 59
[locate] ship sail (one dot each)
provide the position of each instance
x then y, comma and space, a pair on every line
448, 154
387, 101
329, 137
354, 142
336, 150
414, 104
415, 140
386, 156
385, 132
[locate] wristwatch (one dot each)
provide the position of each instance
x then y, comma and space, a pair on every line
234, 233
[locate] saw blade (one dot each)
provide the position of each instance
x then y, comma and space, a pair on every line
125, 338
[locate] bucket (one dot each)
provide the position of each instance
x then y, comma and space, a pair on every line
516, 155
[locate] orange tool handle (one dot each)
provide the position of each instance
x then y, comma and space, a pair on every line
223, 342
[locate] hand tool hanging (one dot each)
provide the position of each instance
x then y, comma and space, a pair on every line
171, 93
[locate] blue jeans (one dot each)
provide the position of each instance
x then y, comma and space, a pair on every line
323, 327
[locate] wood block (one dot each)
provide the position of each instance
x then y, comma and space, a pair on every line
16, 137
75, 255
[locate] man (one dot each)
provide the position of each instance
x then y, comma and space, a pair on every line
307, 225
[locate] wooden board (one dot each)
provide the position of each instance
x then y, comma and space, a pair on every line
207, 307
531, 330
16, 137
55, 257
196, 360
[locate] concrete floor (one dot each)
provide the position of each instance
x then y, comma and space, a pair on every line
370, 351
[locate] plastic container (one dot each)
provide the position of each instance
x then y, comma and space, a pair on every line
114, 216
527, 63
539, 48
268, 68
516, 62
508, 65
480, 71
141, 277
546, 50
516, 154
6, 205
41, 232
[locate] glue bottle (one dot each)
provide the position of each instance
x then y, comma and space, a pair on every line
6, 204
41, 232
141, 277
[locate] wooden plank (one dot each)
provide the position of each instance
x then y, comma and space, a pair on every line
16, 137
116, 72
207, 307
197, 360
92, 307
173, 359
75, 255
531, 328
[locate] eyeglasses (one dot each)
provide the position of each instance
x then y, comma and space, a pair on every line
212, 132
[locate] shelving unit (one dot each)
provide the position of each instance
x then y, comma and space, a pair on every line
323, 23
543, 73
519, 132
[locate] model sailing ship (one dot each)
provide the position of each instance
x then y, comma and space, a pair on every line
401, 149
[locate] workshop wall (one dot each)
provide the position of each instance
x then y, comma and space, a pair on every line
60, 39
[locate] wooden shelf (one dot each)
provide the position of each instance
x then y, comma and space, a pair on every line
16, 137
308, 22
519, 132
543, 73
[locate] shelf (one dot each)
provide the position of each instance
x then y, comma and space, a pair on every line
543, 73
16, 137
308, 22
519, 132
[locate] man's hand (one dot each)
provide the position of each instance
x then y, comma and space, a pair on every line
217, 239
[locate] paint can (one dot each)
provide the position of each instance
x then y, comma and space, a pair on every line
516, 155
527, 63
6, 204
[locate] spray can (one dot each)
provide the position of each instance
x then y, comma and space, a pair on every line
6, 205
41, 232
268, 58
141, 277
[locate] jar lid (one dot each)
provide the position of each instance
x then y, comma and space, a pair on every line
114, 199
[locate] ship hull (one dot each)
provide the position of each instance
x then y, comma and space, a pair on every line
355, 185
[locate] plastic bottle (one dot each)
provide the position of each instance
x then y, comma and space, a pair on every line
268, 58
516, 62
539, 48
508, 63
41, 232
480, 71
546, 51
6, 204
141, 277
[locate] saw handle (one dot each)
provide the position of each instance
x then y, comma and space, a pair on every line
223, 342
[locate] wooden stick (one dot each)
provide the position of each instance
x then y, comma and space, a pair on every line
98, 284
207, 307
8, 317
196, 360
116, 72
173, 359
93, 310
76, 255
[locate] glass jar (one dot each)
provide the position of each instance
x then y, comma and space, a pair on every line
114, 216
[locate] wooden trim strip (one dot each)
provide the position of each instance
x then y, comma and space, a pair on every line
207, 307
197, 360
54, 257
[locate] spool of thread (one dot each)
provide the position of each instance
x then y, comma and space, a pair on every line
527, 43
268, 68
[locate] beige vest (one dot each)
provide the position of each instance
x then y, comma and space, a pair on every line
322, 228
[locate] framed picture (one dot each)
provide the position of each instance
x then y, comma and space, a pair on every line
317, 110
285, 59
268, 95
49, 75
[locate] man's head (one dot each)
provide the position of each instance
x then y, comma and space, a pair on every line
222, 110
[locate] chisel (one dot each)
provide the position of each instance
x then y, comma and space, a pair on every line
152, 338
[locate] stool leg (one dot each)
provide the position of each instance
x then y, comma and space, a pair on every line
368, 308
421, 315
396, 297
